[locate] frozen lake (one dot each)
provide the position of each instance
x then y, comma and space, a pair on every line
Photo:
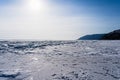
59, 60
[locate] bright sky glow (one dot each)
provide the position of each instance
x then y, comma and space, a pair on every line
57, 19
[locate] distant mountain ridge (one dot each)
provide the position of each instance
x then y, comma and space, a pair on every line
114, 35
92, 37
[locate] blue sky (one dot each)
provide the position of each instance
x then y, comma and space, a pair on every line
103, 8
57, 19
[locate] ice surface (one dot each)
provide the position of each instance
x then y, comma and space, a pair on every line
59, 60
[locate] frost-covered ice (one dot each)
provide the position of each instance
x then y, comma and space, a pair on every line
59, 60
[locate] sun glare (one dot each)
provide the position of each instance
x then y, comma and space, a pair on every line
35, 5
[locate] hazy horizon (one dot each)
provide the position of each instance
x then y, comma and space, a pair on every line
57, 19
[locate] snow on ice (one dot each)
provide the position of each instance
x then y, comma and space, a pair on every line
59, 60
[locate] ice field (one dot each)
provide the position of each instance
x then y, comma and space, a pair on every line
60, 60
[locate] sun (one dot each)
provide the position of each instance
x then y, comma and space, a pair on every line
35, 5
